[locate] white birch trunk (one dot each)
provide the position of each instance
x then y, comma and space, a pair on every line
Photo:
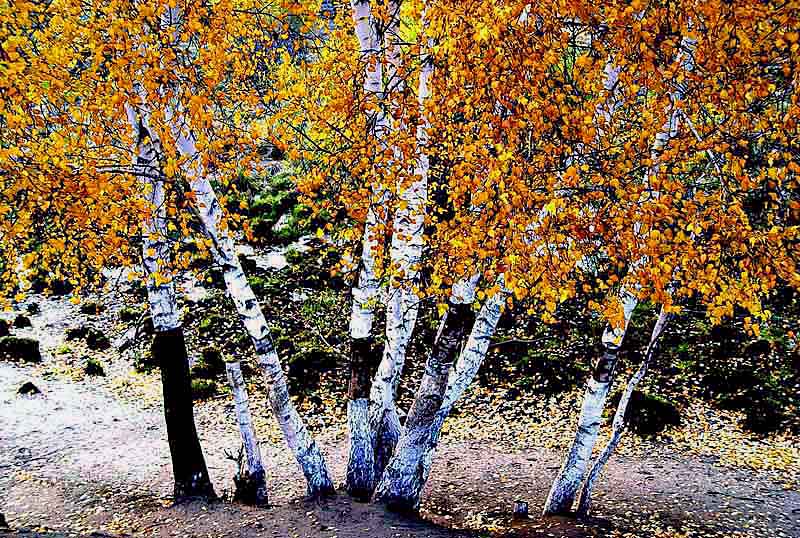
467, 366
361, 461
618, 427
298, 438
254, 482
402, 304
155, 248
565, 486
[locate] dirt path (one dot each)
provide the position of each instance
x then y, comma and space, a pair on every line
76, 458
81, 458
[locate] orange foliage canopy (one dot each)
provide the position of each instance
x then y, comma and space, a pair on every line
540, 166
540, 169
69, 201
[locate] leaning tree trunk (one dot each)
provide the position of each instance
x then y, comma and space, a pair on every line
585, 500
467, 366
251, 482
169, 347
402, 305
566, 484
298, 438
361, 461
565, 487
401, 482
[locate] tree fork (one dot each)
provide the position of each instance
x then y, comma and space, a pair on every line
402, 480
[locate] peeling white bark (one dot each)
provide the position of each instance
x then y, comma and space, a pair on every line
402, 480
618, 427
361, 458
255, 466
366, 292
467, 366
298, 438
565, 486
155, 247
360, 466
402, 305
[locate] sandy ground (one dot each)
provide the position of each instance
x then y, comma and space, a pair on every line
79, 458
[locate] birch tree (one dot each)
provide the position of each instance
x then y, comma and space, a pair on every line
169, 348
620, 417
361, 461
297, 437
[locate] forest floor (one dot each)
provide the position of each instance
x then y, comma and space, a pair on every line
89, 455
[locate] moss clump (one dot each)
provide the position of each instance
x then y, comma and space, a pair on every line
294, 256
20, 349
203, 388
210, 364
92, 308
210, 323
128, 314
647, 414
94, 367
95, 338
20, 322
144, 362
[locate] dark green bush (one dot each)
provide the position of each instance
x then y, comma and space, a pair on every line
203, 388
20, 349
94, 367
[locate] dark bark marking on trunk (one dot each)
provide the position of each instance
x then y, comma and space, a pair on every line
361, 365
188, 464
604, 368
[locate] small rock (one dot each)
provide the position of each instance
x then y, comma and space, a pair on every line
27, 389
4, 328
91, 308
23, 349
3, 523
22, 321
33, 308
520, 510
298, 296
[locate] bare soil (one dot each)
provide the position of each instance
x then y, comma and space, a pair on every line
80, 459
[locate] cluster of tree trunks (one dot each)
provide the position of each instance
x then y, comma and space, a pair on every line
388, 461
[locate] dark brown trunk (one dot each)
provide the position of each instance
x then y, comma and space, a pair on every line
361, 460
403, 479
188, 464
362, 361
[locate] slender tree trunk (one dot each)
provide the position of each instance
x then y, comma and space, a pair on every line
251, 484
467, 366
585, 500
169, 348
402, 305
298, 438
360, 474
401, 483
566, 484
188, 463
